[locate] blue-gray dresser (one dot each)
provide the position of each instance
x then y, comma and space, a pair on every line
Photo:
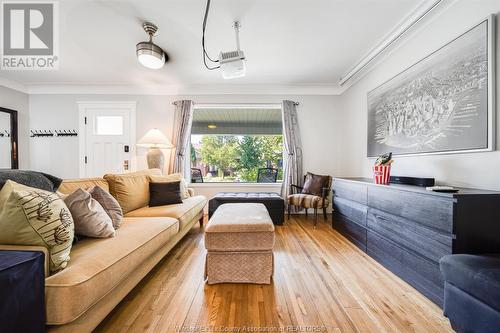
408, 229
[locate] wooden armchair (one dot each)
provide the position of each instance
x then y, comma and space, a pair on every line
314, 194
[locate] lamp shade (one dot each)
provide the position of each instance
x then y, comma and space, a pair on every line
155, 138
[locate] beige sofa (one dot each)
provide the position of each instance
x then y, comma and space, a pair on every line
102, 272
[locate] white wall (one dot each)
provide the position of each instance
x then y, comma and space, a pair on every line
320, 121
479, 170
15, 100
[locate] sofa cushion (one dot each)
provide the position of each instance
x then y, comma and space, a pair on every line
89, 216
69, 186
34, 217
184, 212
98, 265
131, 189
34, 179
161, 194
175, 177
109, 203
478, 276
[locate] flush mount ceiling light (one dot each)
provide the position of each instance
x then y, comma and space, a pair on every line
148, 53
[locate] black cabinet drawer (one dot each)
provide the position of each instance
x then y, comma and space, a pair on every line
351, 230
350, 190
351, 209
419, 272
434, 212
426, 242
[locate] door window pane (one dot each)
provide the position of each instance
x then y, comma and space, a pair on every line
109, 125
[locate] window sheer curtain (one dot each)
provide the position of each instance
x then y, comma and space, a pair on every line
183, 119
292, 149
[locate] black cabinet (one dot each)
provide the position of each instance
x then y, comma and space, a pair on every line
408, 229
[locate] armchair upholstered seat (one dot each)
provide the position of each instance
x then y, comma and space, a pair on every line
314, 194
305, 200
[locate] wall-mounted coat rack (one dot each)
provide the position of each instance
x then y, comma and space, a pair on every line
66, 132
41, 133
4, 134
50, 133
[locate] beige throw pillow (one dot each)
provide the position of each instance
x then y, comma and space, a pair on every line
131, 190
175, 177
29, 216
110, 205
90, 218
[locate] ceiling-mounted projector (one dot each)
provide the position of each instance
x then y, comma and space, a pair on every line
232, 63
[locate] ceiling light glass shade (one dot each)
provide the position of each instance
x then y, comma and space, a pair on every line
155, 138
150, 55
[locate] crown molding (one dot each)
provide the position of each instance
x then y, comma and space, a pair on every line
252, 89
14, 85
411, 24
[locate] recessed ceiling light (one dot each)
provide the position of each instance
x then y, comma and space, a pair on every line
212, 126
148, 53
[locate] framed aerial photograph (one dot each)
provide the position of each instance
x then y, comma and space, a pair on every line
442, 104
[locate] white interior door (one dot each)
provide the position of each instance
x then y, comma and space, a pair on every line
109, 138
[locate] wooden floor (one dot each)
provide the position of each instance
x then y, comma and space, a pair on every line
322, 283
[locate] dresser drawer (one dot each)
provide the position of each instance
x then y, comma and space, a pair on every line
352, 231
432, 211
426, 242
350, 190
422, 274
351, 209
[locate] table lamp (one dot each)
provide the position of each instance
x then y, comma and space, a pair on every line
155, 140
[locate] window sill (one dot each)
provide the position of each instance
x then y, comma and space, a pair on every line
214, 185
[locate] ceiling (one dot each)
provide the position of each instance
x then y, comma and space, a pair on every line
237, 121
228, 115
286, 42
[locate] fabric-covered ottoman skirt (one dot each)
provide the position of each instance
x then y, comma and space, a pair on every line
239, 239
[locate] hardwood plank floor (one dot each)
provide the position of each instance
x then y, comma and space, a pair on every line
322, 283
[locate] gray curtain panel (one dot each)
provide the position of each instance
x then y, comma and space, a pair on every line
292, 146
183, 119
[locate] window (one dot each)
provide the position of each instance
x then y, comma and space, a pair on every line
108, 125
243, 144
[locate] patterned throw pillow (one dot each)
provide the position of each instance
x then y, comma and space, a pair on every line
109, 203
30, 216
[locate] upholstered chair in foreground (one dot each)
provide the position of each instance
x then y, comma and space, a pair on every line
314, 194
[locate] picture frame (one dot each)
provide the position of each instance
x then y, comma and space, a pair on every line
440, 104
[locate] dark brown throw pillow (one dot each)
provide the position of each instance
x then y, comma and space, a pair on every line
314, 184
161, 194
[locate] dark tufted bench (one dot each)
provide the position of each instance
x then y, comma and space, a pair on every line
472, 292
274, 202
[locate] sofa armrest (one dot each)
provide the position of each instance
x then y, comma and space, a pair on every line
191, 192
33, 248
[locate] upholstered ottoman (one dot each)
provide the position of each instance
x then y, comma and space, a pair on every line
273, 201
239, 239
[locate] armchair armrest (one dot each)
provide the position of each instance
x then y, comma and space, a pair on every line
293, 188
29, 248
325, 191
